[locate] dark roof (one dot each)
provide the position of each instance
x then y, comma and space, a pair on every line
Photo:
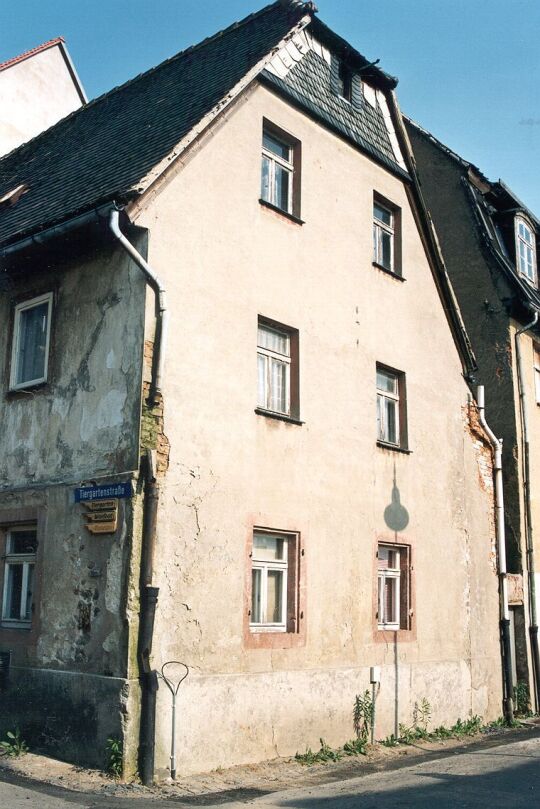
103, 149
487, 201
308, 85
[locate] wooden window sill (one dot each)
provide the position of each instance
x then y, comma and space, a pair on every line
393, 274
286, 214
279, 416
394, 447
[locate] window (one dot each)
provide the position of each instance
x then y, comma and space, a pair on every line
344, 84
280, 171
525, 250
383, 237
31, 334
269, 582
277, 368
275, 608
386, 235
391, 415
536, 350
19, 563
393, 586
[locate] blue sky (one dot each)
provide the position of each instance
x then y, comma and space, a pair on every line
468, 70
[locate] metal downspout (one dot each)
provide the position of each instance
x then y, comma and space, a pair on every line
148, 603
162, 314
533, 618
148, 593
496, 444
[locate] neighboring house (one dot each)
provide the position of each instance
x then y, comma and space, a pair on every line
489, 241
37, 89
221, 291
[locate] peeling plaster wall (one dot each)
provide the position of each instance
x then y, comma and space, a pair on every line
73, 678
91, 403
225, 260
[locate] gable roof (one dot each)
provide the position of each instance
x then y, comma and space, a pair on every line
487, 200
110, 148
102, 150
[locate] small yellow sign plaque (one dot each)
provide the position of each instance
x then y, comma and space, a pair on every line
102, 528
101, 516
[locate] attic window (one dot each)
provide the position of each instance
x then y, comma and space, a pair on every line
525, 250
13, 196
344, 86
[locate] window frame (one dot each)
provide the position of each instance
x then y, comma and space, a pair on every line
292, 166
536, 371
400, 412
393, 230
521, 262
11, 559
21, 307
344, 82
291, 362
401, 574
266, 566
296, 623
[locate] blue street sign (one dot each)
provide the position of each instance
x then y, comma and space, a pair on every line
89, 493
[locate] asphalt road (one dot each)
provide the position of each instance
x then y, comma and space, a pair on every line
507, 775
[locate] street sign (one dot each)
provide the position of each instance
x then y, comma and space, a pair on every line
90, 493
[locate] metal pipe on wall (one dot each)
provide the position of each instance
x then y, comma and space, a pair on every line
149, 596
529, 539
496, 444
162, 314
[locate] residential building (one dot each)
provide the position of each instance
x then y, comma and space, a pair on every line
230, 305
37, 89
489, 241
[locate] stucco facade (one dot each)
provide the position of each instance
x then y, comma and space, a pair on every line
389, 557
226, 260
71, 679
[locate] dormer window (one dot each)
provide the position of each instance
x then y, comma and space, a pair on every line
525, 250
344, 82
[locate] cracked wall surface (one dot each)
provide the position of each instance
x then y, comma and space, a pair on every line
231, 469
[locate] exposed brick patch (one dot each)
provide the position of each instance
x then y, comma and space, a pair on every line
484, 458
482, 446
152, 424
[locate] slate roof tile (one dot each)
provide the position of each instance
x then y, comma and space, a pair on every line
308, 84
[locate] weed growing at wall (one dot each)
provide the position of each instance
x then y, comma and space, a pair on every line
114, 757
418, 731
14, 746
522, 700
355, 747
362, 715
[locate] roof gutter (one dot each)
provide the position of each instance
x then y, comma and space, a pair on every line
43, 236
